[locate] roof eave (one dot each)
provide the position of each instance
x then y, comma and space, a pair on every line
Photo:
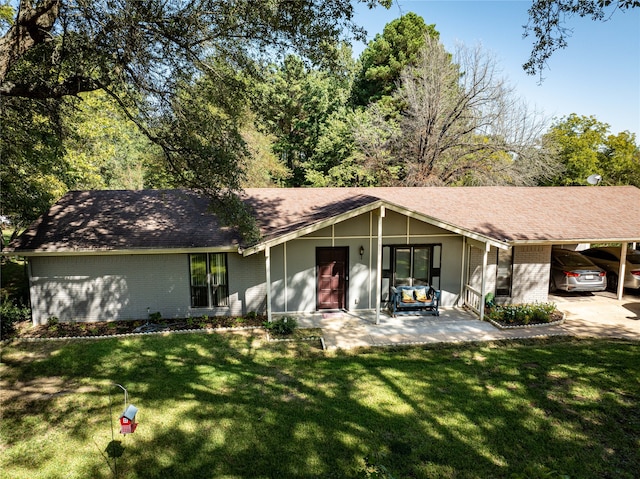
572, 241
121, 252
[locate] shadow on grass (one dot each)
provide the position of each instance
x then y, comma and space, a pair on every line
231, 406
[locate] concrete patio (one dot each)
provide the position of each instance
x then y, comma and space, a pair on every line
592, 315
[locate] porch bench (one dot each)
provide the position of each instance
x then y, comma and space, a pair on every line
405, 298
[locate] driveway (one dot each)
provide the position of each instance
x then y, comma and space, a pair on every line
592, 315
600, 314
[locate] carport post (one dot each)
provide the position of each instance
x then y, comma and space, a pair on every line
621, 272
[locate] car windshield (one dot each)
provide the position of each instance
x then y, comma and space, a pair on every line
575, 260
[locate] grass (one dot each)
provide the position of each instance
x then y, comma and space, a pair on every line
230, 406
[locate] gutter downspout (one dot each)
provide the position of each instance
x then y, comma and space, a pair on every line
621, 272
379, 266
267, 261
483, 293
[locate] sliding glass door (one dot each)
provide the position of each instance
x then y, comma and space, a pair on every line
412, 265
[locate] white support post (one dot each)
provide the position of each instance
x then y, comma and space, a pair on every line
267, 264
379, 266
485, 256
463, 272
622, 271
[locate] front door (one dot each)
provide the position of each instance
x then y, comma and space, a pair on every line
331, 265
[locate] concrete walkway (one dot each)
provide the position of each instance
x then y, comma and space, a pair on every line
591, 315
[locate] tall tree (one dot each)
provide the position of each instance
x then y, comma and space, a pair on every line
387, 54
585, 147
462, 123
294, 102
547, 24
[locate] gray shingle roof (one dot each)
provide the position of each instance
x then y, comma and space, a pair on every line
170, 219
111, 220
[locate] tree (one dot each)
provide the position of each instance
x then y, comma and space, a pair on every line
149, 56
103, 149
585, 147
32, 170
547, 24
293, 103
462, 123
387, 54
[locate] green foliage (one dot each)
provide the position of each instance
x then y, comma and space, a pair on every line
489, 300
157, 316
11, 313
7, 12
374, 471
585, 147
386, 56
522, 313
179, 70
282, 326
293, 104
32, 172
52, 321
104, 149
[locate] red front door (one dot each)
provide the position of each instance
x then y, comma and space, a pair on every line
332, 277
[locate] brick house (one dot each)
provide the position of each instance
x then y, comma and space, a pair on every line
114, 255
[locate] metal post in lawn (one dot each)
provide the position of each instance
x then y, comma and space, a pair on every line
114, 450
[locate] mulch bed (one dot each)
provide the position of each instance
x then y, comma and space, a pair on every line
25, 329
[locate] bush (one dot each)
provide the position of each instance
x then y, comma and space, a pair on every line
522, 313
10, 314
282, 326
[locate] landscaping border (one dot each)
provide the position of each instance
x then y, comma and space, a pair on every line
126, 335
525, 326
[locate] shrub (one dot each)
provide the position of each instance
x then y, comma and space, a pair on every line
10, 314
522, 313
282, 326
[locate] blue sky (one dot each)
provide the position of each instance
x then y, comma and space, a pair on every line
598, 74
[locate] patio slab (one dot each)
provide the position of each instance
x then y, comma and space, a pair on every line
595, 315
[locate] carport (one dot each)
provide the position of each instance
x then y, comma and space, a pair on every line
625, 247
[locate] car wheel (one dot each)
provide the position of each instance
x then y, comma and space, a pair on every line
612, 282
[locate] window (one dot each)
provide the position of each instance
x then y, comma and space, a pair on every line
208, 273
412, 265
504, 272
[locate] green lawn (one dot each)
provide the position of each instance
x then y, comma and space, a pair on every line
229, 406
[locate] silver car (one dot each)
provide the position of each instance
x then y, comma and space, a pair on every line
608, 258
570, 271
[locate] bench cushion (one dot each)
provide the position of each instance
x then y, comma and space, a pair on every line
421, 295
407, 296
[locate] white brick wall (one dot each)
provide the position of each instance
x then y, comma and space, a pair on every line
531, 269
